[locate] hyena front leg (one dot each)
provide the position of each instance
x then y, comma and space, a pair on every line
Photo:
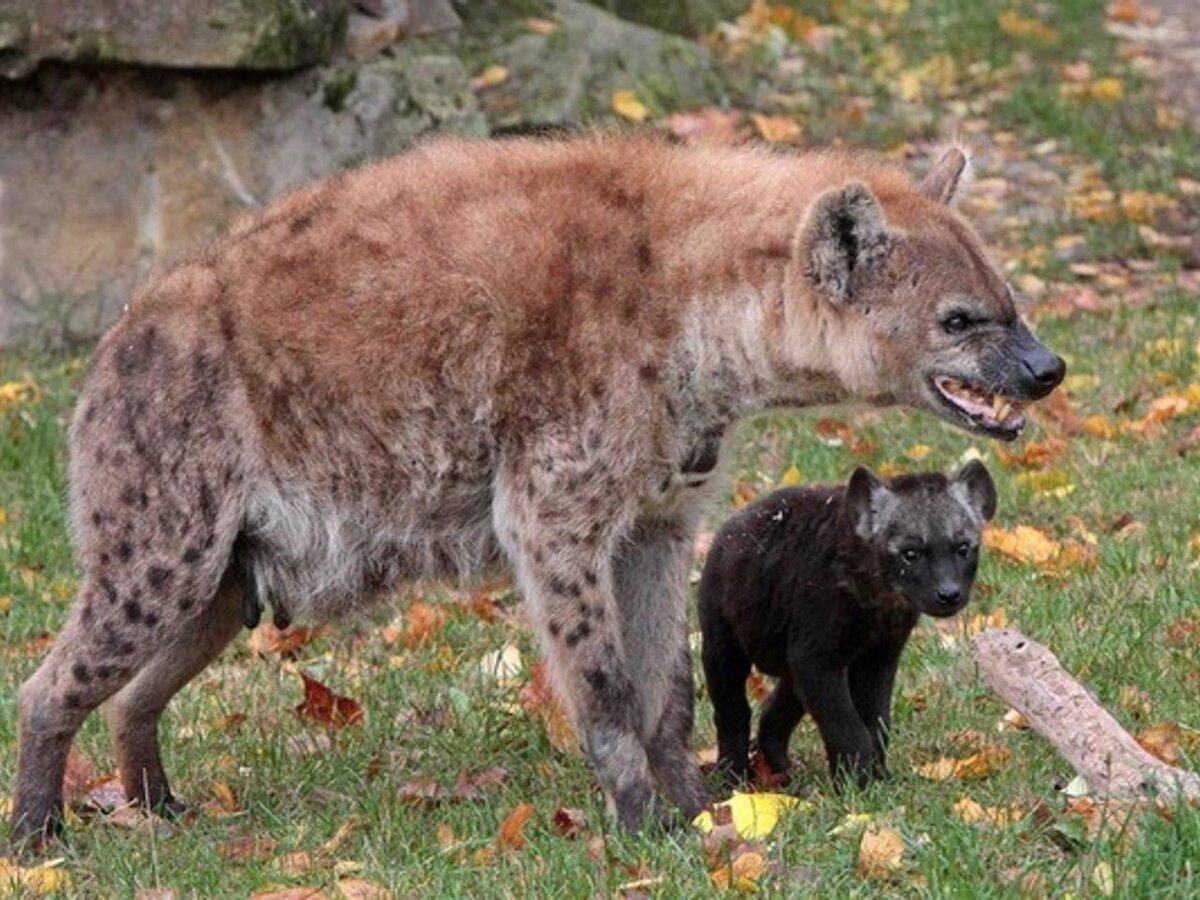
559, 536
650, 572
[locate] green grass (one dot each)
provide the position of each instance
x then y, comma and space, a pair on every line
1108, 624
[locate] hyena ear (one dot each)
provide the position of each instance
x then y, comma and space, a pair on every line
866, 500
947, 180
843, 234
981, 490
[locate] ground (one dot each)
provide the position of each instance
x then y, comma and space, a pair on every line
1088, 190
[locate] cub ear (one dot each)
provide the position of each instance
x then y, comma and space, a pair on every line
865, 496
981, 490
947, 180
845, 232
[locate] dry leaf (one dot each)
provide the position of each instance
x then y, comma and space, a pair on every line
490, 77
37, 880
1162, 741
977, 765
971, 812
268, 640
511, 836
627, 105
538, 698
259, 849
708, 126
291, 893
776, 129
742, 873
568, 822
502, 665
421, 622
790, 477
323, 706
16, 393
1018, 26
360, 889
880, 853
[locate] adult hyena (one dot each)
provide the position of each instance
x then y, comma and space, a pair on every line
477, 353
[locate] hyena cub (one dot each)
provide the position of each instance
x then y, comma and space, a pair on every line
821, 587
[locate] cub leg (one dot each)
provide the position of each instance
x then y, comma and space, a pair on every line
650, 574
825, 692
871, 684
781, 713
726, 668
133, 713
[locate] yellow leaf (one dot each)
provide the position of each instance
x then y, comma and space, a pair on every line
1018, 26
977, 765
627, 105
490, 77
742, 874
38, 880
776, 129
908, 86
5, 604
791, 477
1102, 878
1144, 206
967, 810
851, 823
1024, 544
997, 618
918, 452
15, 393
880, 853
754, 815
1099, 427
1107, 90
3, 516
1046, 483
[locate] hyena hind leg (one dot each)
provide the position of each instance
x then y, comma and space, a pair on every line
133, 713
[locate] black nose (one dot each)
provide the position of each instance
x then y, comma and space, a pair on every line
1047, 370
948, 596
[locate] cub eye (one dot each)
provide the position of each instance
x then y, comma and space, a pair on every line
956, 323
964, 549
911, 554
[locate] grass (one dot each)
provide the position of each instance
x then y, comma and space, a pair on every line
429, 711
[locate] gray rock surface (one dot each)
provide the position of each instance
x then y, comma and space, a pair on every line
224, 34
107, 173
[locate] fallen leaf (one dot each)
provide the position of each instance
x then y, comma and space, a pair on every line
16, 393
742, 873
776, 129
754, 816
978, 765
708, 126
791, 477
568, 822
1102, 878
502, 665
79, 774
538, 699
1162, 741
880, 853
360, 889
1034, 455
421, 622
971, 812
490, 77
1025, 28
340, 836
105, 794
511, 836
258, 849
323, 706
627, 105
291, 893
267, 640
37, 880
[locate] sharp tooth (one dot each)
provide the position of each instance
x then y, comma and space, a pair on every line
1003, 411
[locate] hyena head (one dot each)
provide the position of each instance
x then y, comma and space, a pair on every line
922, 532
912, 310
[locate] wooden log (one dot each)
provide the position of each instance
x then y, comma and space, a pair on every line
1030, 678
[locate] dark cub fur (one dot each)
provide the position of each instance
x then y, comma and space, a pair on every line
821, 587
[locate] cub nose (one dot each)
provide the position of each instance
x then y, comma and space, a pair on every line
1047, 370
948, 596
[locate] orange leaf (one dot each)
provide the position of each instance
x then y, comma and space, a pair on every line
880, 853
327, 708
247, 848
1034, 455
538, 698
266, 639
1162, 740
360, 889
422, 622
776, 129
511, 835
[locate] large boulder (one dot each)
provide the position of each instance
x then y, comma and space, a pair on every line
106, 173
212, 34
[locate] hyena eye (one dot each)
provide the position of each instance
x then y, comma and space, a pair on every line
964, 549
910, 554
956, 323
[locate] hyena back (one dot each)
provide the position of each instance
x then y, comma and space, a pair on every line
523, 353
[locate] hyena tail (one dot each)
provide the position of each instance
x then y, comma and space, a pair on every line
158, 481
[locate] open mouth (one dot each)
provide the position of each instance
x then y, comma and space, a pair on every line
993, 414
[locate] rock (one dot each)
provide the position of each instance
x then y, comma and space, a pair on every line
570, 74
382, 22
687, 17
107, 173
214, 34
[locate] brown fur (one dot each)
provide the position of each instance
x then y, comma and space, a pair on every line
474, 353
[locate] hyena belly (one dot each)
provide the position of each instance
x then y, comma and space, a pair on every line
318, 558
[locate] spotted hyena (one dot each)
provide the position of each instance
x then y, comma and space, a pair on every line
821, 588
523, 353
